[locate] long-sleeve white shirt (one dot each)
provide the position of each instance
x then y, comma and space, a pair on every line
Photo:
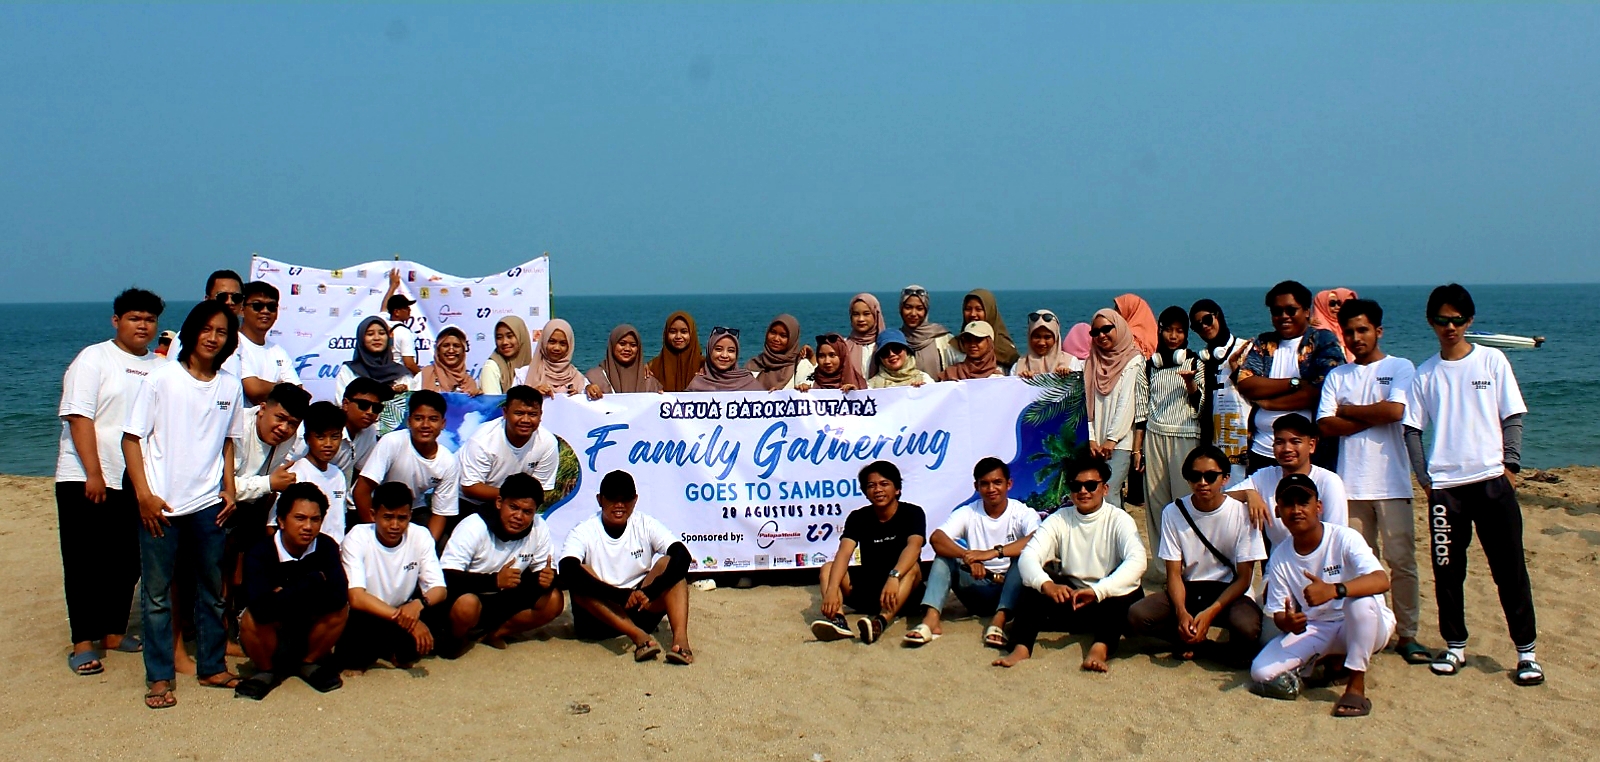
1101, 548
255, 460
1115, 413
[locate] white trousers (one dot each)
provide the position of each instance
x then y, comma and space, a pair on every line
1364, 631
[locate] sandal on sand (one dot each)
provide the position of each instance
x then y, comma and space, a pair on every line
160, 699
681, 656
1284, 687
920, 635
131, 644
1351, 705
85, 663
257, 686
647, 651
1415, 653
832, 629
871, 629
994, 637
1528, 673
229, 684
320, 677
1447, 664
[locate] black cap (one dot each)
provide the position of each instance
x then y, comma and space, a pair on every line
1296, 489
398, 302
364, 385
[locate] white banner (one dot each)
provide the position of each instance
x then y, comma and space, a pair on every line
319, 310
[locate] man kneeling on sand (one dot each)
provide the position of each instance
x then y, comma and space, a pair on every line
498, 566
396, 585
294, 597
1325, 592
889, 534
625, 571
1082, 569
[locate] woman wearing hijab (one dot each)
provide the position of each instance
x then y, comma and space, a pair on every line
834, 369
373, 358
513, 351
930, 343
680, 357
977, 346
1077, 345
1170, 399
1224, 413
623, 371
782, 362
1141, 321
1044, 355
722, 372
552, 371
866, 322
1112, 379
1325, 314
897, 364
448, 373
980, 304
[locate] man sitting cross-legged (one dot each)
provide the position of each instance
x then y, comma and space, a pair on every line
295, 597
890, 534
625, 571
396, 585
498, 566
1101, 560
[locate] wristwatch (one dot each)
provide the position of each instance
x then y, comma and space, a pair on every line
894, 574
1294, 384
1339, 591
999, 551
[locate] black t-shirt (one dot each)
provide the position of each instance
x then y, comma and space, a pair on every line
882, 542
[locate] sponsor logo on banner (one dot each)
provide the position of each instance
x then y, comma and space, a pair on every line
799, 559
730, 563
763, 560
782, 562
334, 312
709, 562
322, 288
466, 291
447, 312
770, 533
306, 310
338, 274
444, 290
494, 291
817, 559
361, 273
424, 294
263, 267
294, 289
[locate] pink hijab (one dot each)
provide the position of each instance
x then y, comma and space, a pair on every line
1077, 341
1141, 321
1105, 367
1322, 315
558, 372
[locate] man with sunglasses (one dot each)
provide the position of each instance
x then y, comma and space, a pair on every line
1470, 398
1082, 571
1210, 551
1284, 371
363, 403
259, 363
221, 286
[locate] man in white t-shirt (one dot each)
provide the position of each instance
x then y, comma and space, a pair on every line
260, 364
515, 445
414, 457
1363, 402
1284, 370
396, 586
1325, 594
97, 516
399, 309
500, 568
626, 571
1294, 441
1468, 395
973, 549
1210, 550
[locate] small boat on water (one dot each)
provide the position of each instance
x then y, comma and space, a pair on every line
1505, 340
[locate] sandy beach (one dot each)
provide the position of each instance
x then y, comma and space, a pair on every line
763, 689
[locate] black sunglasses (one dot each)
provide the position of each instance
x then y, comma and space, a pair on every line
1088, 485
1285, 311
720, 331
1102, 330
367, 406
1444, 320
1209, 477
913, 291
1041, 316
263, 306
1204, 321
1333, 304
828, 338
233, 297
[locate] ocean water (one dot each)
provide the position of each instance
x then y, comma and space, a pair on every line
1558, 381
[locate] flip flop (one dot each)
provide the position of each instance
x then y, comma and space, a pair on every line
321, 677
1528, 672
647, 651
1415, 653
85, 663
1350, 705
131, 644
232, 683
164, 699
257, 686
920, 635
1447, 664
994, 637
680, 656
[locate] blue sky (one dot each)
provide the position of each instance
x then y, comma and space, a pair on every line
695, 149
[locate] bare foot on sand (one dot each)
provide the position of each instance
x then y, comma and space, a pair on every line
1096, 660
1017, 656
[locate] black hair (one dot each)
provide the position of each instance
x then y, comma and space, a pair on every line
521, 486
1455, 295
364, 385
1209, 452
426, 398
211, 281
618, 487
322, 418
260, 288
392, 495
296, 492
524, 394
988, 465
1358, 308
1077, 466
1297, 423
1295, 489
1294, 288
1173, 315
293, 399
882, 468
198, 319
137, 300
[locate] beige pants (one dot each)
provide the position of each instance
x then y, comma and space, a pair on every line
1163, 479
1387, 525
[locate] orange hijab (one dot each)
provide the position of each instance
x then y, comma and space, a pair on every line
1141, 323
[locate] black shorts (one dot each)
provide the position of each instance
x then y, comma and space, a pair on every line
500, 606
586, 627
866, 587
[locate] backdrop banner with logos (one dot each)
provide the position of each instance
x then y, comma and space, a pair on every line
765, 481
319, 310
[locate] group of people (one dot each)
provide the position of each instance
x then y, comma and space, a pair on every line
290, 528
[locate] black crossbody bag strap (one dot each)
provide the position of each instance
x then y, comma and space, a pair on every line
1233, 571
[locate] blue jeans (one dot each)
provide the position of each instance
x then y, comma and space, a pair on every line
199, 540
982, 597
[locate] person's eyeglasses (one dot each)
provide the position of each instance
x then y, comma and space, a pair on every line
1444, 320
1209, 477
231, 297
1088, 485
366, 406
1041, 317
1204, 321
1285, 311
1333, 304
913, 291
1102, 330
720, 331
828, 338
893, 349
263, 306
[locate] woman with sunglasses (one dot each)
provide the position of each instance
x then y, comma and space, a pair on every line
1044, 355
373, 358
1170, 402
513, 351
1325, 314
931, 344
623, 371
980, 305
1112, 379
1224, 413
722, 372
897, 364
449, 373
785, 360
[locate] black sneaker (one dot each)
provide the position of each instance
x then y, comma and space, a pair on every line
832, 629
